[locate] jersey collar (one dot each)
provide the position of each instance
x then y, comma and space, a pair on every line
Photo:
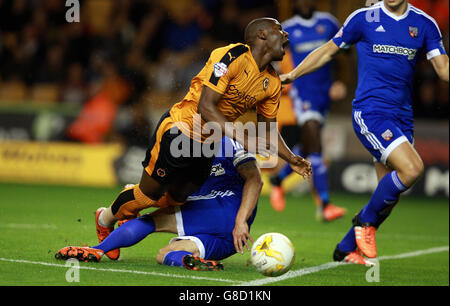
306, 22
392, 15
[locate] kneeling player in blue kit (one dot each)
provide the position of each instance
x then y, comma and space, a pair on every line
212, 225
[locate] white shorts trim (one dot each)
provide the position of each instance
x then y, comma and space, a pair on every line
392, 147
194, 239
181, 233
179, 221
364, 130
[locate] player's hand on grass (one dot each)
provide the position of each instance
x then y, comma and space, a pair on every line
241, 237
301, 166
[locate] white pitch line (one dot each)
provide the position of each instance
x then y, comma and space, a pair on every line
415, 253
119, 270
21, 226
258, 282
334, 264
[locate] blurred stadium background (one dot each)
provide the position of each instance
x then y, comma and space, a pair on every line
78, 101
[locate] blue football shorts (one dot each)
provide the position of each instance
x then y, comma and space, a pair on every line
209, 223
309, 109
381, 133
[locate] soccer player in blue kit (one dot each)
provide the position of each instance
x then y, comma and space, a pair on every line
389, 37
212, 225
309, 29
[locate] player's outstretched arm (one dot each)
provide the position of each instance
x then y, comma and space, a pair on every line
251, 174
315, 60
441, 66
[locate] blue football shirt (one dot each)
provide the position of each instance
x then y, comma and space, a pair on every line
224, 179
388, 47
306, 35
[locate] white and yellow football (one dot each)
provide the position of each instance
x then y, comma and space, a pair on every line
273, 254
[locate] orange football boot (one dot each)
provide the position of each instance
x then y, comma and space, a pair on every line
332, 212
354, 257
80, 253
103, 232
365, 239
277, 198
196, 263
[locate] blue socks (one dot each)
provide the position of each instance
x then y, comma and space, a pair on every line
175, 258
128, 234
320, 177
387, 193
348, 244
132, 232
319, 174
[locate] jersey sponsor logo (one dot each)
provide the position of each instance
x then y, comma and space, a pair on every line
387, 49
413, 32
220, 69
238, 95
212, 195
387, 135
217, 170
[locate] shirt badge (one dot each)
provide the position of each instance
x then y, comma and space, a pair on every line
413, 32
266, 83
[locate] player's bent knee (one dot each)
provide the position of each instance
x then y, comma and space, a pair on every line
411, 172
415, 169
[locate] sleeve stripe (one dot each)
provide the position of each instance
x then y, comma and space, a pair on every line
420, 12
238, 160
227, 59
349, 18
433, 53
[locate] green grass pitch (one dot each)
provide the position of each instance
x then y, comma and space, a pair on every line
38, 220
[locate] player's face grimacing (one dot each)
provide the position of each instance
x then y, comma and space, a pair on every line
278, 41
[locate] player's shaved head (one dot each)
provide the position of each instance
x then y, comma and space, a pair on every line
252, 29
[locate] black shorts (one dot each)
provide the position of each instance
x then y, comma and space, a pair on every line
173, 155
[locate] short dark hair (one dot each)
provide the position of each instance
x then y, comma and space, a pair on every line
254, 26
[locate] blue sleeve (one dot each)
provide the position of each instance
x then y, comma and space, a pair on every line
335, 26
350, 32
433, 40
233, 149
240, 156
